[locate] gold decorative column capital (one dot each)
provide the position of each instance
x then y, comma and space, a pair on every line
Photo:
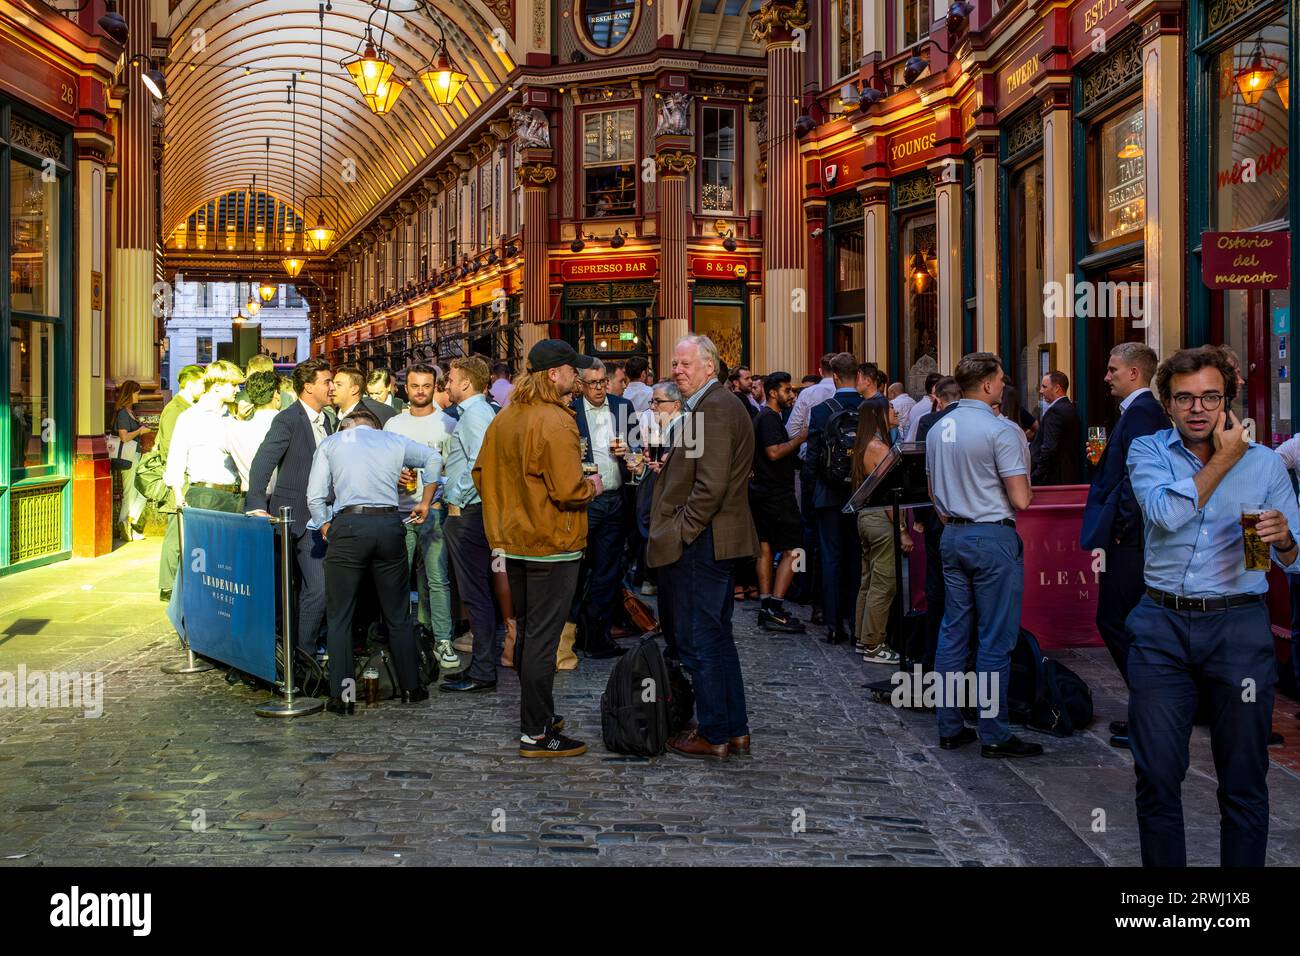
535, 175
760, 172
674, 163
776, 20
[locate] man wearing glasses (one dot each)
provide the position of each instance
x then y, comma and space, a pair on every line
1202, 627
603, 421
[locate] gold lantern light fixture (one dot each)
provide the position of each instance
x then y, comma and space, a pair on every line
370, 69
292, 261
442, 78
382, 101
1254, 79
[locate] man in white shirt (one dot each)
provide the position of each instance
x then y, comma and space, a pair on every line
200, 470
640, 383
810, 396
263, 390
903, 404
922, 408
425, 423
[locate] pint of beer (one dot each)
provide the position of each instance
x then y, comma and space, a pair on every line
370, 681
1257, 556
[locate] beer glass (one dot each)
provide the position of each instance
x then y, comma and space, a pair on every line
1257, 552
370, 680
1096, 443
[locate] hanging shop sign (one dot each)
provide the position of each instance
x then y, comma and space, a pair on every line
625, 267
720, 267
1094, 24
1016, 79
1246, 260
911, 150
38, 81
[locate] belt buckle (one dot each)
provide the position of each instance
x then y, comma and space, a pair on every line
1198, 601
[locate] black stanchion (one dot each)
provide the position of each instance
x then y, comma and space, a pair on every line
290, 705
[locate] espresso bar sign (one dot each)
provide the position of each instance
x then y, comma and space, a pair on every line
1246, 260
595, 270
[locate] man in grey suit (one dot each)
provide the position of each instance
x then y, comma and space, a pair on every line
700, 528
286, 453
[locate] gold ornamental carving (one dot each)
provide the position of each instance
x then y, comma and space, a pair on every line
535, 175
779, 17
674, 163
760, 172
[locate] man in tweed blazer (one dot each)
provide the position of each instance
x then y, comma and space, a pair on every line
700, 529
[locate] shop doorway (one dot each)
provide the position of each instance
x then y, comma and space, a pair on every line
1257, 325
1115, 314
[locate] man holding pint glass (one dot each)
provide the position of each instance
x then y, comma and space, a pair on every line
1215, 507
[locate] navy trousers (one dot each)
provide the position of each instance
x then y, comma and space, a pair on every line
700, 589
1176, 657
841, 567
310, 550
600, 579
1120, 590
471, 557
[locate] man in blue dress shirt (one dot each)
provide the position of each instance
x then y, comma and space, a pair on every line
1203, 625
360, 464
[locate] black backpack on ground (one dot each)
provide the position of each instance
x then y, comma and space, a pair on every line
645, 702
835, 464
1044, 694
380, 658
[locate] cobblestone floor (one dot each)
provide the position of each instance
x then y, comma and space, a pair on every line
836, 778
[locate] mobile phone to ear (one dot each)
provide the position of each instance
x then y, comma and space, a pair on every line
1227, 416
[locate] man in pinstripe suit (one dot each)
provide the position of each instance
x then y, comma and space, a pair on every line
284, 460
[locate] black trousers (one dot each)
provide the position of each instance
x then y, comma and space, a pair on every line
374, 547
541, 592
1118, 594
472, 560
600, 576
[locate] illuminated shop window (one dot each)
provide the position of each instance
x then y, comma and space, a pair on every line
609, 163
719, 153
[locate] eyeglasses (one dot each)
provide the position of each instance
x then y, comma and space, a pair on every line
595, 383
663, 401
1209, 401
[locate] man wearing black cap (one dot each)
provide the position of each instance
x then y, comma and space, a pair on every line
529, 472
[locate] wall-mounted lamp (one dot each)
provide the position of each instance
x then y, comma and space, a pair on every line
616, 241
729, 241
578, 244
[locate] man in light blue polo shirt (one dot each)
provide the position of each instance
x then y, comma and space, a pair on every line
978, 481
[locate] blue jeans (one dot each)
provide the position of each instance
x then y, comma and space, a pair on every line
984, 580
432, 580
701, 591
1175, 658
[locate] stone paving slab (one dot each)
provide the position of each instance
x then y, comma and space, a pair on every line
179, 770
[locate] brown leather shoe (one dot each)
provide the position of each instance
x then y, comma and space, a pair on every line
738, 746
691, 744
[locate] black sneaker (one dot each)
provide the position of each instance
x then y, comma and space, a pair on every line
1013, 746
781, 621
553, 744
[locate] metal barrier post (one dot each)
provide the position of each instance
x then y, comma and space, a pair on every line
192, 664
290, 706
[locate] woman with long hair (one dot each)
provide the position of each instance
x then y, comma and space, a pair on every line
129, 430
876, 531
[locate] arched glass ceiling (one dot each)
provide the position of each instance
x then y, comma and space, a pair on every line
230, 66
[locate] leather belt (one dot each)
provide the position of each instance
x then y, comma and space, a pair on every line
233, 489
1005, 522
368, 510
1176, 602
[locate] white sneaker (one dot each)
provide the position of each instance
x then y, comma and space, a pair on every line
649, 590
447, 656
882, 654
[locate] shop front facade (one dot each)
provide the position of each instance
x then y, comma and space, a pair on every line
55, 141
1043, 184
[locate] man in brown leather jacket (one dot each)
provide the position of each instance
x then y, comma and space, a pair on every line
700, 527
529, 474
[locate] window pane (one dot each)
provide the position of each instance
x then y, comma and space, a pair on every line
607, 21
31, 391
850, 272
1123, 176
34, 229
1026, 271
721, 323
1255, 69
918, 329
